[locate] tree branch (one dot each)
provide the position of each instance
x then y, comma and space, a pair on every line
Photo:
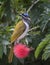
32, 5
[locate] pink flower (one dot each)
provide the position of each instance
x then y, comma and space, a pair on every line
21, 50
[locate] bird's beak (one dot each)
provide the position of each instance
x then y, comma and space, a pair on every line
20, 14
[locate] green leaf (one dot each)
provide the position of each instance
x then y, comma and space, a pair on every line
42, 45
45, 56
1, 50
46, 53
5, 42
45, 0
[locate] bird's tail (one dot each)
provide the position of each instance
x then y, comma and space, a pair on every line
10, 56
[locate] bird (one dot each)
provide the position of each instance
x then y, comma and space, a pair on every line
19, 32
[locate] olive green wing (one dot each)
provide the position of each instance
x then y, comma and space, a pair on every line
19, 29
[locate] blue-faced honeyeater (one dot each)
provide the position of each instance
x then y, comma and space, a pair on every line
19, 32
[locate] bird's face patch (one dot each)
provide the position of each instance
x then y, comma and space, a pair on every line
25, 16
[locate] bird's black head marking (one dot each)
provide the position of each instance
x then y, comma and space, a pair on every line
25, 16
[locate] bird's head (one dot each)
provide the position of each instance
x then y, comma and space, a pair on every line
25, 16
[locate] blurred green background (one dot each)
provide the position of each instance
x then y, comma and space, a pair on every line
39, 36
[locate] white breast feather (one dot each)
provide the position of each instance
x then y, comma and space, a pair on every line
24, 33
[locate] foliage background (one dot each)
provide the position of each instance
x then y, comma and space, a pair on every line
39, 36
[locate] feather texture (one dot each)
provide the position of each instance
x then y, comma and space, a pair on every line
19, 29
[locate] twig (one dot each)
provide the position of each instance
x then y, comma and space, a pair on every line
32, 5
33, 28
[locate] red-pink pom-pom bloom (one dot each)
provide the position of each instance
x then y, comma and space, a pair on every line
21, 50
